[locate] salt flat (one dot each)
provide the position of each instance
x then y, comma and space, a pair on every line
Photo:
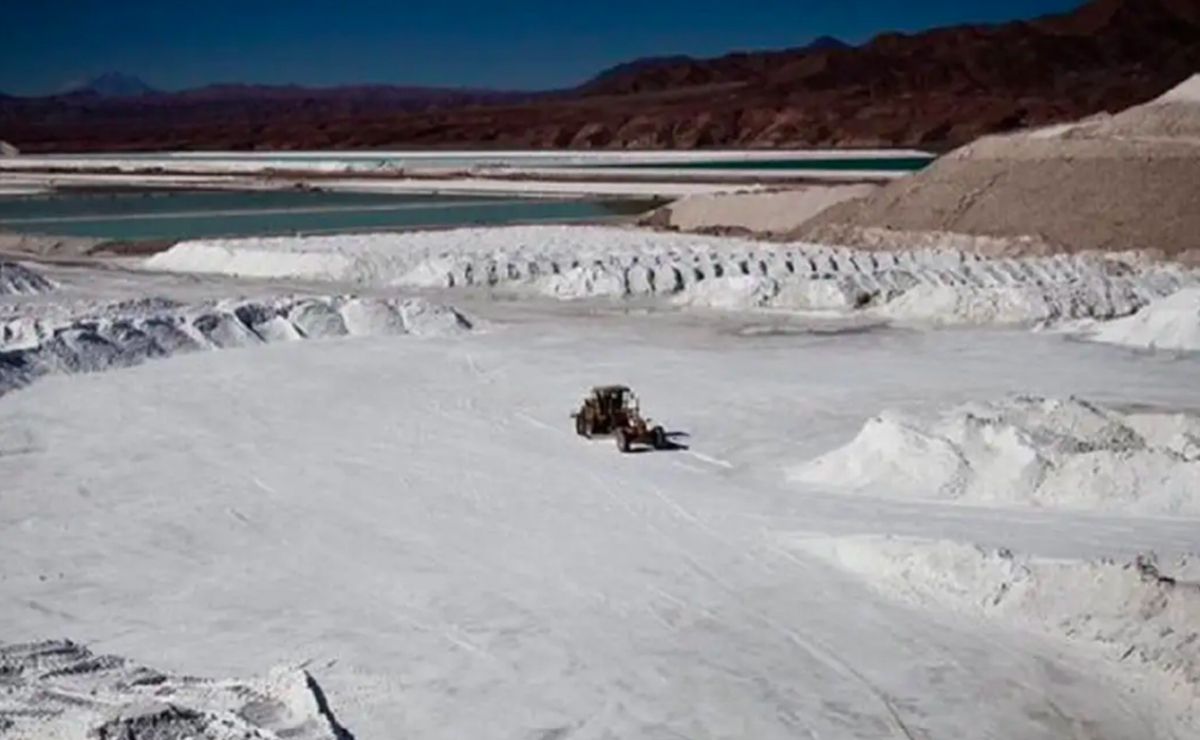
410, 516
530, 174
349, 161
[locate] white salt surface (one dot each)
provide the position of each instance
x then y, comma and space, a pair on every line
1062, 453
1170, 323
1141, 613
416, 524
569, 262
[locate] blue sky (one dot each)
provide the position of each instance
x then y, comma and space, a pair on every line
512, 44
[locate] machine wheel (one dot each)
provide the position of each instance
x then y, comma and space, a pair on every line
580, 429
622, 440
659, 437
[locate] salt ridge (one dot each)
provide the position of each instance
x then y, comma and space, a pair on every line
125, 334
60, 689
1024, 451
17, 279
572, 262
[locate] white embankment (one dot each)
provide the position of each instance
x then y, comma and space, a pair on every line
17, 279
124, 334
60, 689
571, 262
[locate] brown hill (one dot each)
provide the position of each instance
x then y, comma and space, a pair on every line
1130, 181
659, 74
940, 87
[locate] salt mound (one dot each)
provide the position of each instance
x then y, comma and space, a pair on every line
809, 295
1011, 304
1171, 323
425, 319
59, 689
19, 280
126, 334
1142, 611
275, 257
584, 281
1066, 454
730, 293
1110, 183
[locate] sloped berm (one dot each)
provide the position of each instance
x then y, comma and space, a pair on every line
60, 689
125, 334
17, 279
584, 262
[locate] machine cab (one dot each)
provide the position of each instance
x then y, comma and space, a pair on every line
614, 399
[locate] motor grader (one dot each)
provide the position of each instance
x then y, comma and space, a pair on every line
615, 410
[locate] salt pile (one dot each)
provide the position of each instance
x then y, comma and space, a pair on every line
125, 334
60, 689
1139, 611
343, 259
799, 294
1171, 323
1110, 183
573, 262
19, 280
1055, 453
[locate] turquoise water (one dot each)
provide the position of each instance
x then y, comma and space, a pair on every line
189, 215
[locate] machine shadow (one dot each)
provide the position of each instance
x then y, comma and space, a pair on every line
671, 443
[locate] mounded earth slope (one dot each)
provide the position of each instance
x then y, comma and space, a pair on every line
761, 214
1123, 182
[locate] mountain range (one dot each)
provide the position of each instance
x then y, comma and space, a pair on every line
934, 88
109, 85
